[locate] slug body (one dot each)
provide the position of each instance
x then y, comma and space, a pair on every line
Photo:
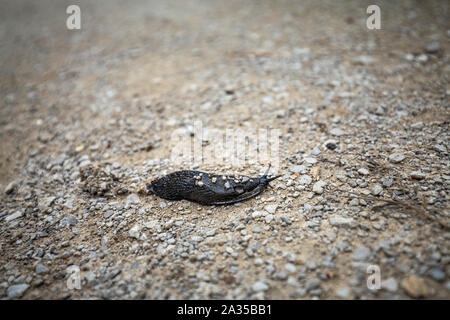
207, 188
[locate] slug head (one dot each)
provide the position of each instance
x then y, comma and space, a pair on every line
264, 180
252, 184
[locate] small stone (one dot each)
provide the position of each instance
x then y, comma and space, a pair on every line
390, 285
17, 290
297, 169
260, 286
300, 292
418, 175
10, 187
41, 269
290, 267
271, 208
422, 58
280, 275
13, 216
197, 238
211, 233
315, 152
387, 182
70, 220
134, 231
363, 172
396, 157
133, 199
376, 189
415, 287
364, 60
344, 292
437, 274
432, 47
409, 57
257, 214
269, 218
286, 219
311, 160
440, 148
305, 180
84, 163
338, 221
108, 214
267, 100
318, 187
336, 132
361, 253
312, 284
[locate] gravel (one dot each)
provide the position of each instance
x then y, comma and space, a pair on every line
437, 274
361, 253
417, 175
41, 269
271, 208
344, 292
305, 180
433, 47
390, 284
341, 221
260, 286
13, 216
312, 284
318, 187
17, 290
396, 157
10, 187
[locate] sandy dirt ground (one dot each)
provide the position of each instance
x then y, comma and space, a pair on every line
87, 120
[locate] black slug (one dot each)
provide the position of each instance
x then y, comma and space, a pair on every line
208, 189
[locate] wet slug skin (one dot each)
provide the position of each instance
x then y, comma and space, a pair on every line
208, 189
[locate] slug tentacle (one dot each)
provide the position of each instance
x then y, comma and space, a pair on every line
208, 189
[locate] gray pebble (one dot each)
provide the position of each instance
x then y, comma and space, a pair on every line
17, 290
437, 274
376, 189
336, 132
344, 292
41, 269
312, 284
260, 286
318, 187
361, 253
340, 221
363, 171
432, 47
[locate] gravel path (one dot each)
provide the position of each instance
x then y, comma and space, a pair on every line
86, 119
